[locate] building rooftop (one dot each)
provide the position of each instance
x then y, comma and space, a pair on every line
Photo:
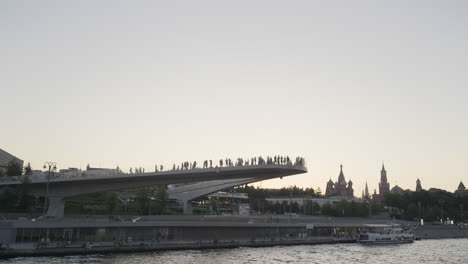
6, 157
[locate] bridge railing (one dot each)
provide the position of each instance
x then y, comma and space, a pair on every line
299, 162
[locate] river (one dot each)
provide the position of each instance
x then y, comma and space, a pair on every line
425, 251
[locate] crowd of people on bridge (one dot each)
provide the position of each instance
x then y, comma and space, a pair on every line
255, 161
207, 164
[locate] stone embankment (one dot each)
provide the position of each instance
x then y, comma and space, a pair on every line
108, 247
441, 231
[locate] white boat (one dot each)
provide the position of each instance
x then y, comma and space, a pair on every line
390, 235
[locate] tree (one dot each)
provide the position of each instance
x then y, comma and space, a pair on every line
23, 192
160, 199
328, 209
278, 208
8, 198
294, 207
412, 211
318, 193
14, 168
111, 202
430, 213
17, 197
142, 200
311, 207
214, 205
315, 208
432, 205
28, 169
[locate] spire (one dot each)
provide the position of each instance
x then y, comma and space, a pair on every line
366, 193
341, 178
383, 175
418, 185
461, 187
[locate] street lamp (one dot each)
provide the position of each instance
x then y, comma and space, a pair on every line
150, 196
441, 203
461, 213
419, 211
52, 166
290, 202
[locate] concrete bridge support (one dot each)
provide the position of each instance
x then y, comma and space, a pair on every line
56, 206
188, 210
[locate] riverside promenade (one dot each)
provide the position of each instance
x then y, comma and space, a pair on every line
129, 234
441, 231
106, 234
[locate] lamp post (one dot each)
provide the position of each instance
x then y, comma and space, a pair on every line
441, 203
462, 217
150, 196
290, 202
52, 166
419, 211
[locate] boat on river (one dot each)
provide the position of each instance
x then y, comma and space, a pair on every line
391, 235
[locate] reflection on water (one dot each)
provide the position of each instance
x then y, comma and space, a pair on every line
426, 251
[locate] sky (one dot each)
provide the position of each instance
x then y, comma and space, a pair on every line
139, 83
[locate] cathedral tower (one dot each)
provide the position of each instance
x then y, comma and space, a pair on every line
330, 191
418, 185
384, 186
366, 192
340, 187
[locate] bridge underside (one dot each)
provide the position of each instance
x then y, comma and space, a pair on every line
221, 178
186, 194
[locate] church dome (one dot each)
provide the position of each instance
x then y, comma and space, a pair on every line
396, 189
461, 187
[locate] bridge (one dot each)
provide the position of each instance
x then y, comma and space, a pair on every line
187, 193
63, 185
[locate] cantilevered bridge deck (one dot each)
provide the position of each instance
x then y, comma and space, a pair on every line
85, 182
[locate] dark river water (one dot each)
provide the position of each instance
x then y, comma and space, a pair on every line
425, 251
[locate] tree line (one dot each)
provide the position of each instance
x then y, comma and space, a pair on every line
259, 203
431, 205
17, 197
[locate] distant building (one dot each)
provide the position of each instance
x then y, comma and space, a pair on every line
461, 190
321, 201
418, 185
341, 187
229, 195
384, 186
6, 158
365, 193
396, 189
436, 190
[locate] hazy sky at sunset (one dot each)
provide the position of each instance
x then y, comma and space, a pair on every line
134, 83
